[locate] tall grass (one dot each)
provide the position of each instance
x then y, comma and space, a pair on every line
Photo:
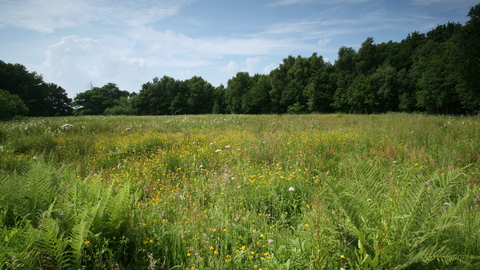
393, 191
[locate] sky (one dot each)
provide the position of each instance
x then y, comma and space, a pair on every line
78, 44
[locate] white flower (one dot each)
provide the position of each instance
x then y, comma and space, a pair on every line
194, 142
67, 126
395, 162
270, 241
239, 187
119, 166
218, 150
291, 189
201, 166
413, 132
227, 146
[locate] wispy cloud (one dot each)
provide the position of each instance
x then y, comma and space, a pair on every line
47, 15
297, 2
176, 44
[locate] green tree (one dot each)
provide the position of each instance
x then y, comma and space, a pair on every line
257, 98
11, 106
42, 99
200, 96
347, 71
436, 78
367, 59
219, 106
321, 88
236, 89
279, 81
387, 85
96, 100
122, 107
467, 59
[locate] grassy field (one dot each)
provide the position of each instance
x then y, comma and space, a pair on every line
392, 191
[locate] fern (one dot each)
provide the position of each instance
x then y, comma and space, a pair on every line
400, 225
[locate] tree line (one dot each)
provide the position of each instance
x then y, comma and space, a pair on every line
436, 72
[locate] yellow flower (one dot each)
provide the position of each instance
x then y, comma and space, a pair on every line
341, 256
86, 242
211, 248
188, 254
262, 235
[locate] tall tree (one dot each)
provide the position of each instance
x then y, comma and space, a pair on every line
468, 61
347, 71
200, 96
321, 88
96, 100
236, 88
42, 99
257, 98
279, 81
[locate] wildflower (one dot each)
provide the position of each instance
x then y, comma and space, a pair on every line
395, 162
201, 166
270, 241
211, 248
413, 132
262, 235
227, 146
67, 126
218, 150
188, 254
194, 142
86, 242
119, 166
215, 252
342, 256
239, 187
291, 189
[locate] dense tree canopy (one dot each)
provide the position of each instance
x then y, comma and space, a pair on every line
41, 99
11, 106
98, 99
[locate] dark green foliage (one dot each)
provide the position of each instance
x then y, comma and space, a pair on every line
97, 100
468, 58
41, 99
167, 96
11, 106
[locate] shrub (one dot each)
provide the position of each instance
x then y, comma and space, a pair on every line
11, 106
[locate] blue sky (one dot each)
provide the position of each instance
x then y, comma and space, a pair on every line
76, 43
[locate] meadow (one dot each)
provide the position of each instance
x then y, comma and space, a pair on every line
392, 191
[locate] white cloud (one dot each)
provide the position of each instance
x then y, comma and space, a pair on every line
296, 2
251, 64
47, 15
231, 69
74, 62
269, 68
172, 43
324, 41
289, 2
